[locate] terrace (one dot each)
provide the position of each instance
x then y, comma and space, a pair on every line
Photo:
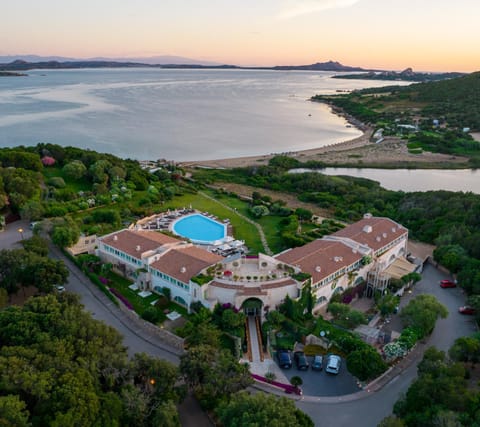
257, 269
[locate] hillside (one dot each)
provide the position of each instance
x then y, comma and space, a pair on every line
434, 116
454, 101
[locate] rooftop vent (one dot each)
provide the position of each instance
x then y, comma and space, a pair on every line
318, 269
354, 251
394, 229
367, 215
384, 235
115, 238
338, 258
183, 270
137, 248
367, 229
378, 238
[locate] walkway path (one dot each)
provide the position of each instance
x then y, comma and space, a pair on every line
252, 328
259, 228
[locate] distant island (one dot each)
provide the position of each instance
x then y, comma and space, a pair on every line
11, 74
406, 75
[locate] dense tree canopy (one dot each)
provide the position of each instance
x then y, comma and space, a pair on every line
421, 314
440, 396
59, 367
260, 409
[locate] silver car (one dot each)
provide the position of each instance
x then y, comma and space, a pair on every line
333, 364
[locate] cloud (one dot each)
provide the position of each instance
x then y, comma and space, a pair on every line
295, 8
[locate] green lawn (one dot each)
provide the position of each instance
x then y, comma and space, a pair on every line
241, 229
74, 184
139, 304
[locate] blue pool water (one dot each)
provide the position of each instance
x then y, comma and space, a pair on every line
199, 229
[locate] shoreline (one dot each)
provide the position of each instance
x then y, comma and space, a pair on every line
307, 154
234, 162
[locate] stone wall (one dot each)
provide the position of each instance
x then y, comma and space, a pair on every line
166, 336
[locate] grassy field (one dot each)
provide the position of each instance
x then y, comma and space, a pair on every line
242, 229
74, 184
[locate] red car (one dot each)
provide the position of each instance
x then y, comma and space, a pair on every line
466, 310
447, 284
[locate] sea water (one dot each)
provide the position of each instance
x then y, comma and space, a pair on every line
179, 115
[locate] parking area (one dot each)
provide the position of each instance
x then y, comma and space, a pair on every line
320, 383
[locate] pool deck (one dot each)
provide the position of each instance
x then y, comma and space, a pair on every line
165, 221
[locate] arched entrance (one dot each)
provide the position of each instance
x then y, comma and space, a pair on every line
252, 306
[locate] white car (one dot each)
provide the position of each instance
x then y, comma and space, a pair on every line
333, 364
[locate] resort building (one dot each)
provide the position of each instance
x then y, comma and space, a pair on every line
363, 251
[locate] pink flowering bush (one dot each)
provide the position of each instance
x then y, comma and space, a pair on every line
48, 161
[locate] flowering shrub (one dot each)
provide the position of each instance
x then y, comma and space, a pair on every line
103, 280
394, 350
48, 161
125, 301
288, 388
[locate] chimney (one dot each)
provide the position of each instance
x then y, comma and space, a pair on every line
367, 229
137, 248
115, 238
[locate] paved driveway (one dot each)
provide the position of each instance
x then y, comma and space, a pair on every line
319, 383
11, 237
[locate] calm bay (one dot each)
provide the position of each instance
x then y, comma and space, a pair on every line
180, 115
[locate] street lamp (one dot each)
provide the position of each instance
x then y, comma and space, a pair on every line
20, 230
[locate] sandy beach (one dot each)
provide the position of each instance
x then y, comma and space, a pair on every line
303, 155
360, 151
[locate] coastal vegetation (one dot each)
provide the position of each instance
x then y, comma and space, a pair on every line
435, 116
446, 390
60, 367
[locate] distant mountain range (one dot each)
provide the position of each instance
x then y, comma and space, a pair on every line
29, 62
149, 60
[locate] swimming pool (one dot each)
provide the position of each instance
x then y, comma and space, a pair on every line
199, 229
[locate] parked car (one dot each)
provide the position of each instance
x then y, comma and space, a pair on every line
466, 310
284, 359
333, 364
60, 288
317, 363
447, 284
301, 360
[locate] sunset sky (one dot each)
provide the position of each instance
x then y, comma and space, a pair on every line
428, 35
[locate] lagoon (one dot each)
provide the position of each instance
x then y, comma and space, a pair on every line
410, 180
146, 113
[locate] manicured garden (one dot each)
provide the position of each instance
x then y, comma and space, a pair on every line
153, 307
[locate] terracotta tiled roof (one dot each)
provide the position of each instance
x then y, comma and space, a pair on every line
281, 284
249, 291
225, 285
374, 232
320, 258
135, 243
185, 263
240, 286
